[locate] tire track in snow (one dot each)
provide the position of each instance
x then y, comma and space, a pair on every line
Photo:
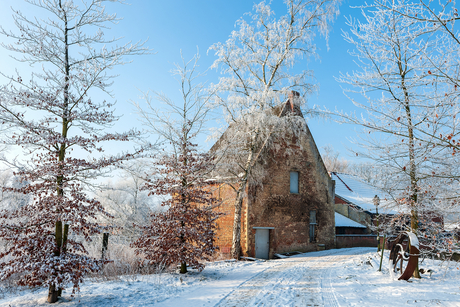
328, 295
297, 281
329, 298
248, 289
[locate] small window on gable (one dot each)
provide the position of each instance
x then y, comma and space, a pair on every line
313, 217
294, 182
313, 226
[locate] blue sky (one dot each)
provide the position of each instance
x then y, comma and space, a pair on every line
174, 25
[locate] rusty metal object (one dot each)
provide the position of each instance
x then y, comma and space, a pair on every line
405, 253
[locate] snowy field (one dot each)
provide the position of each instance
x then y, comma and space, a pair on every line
343, 277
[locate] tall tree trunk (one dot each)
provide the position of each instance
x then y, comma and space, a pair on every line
183, 267
412, 166
236, 239
54, 292
414, 193
183, 264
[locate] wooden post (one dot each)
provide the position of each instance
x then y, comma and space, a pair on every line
105, 243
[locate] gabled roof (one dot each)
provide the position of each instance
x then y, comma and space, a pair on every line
233, 147
288, 108
357, 192
343, 221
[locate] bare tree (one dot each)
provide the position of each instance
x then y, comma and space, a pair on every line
441, 17
257, 62
178, 120
406, 106
49, 116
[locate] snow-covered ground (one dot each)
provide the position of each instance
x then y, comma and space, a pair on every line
343, 277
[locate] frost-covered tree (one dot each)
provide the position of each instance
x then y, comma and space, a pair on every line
176, 121
373, 174
50, 115
441, 16
125, 200
184, 232
332, 161
405, 105
257, 64
8, 199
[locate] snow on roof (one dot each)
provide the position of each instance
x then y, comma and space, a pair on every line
361, 194
343, 221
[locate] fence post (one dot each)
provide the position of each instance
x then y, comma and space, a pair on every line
105, 243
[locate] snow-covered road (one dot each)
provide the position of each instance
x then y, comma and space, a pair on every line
303, 280
294, 282
343, 277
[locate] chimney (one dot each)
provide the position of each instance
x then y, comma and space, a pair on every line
293, 99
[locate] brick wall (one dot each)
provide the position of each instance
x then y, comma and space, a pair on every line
268, 201
346, 241
227, 196
350, 231
272, 205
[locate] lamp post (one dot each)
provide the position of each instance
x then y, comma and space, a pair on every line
376, 204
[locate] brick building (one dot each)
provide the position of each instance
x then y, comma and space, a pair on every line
289, 200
